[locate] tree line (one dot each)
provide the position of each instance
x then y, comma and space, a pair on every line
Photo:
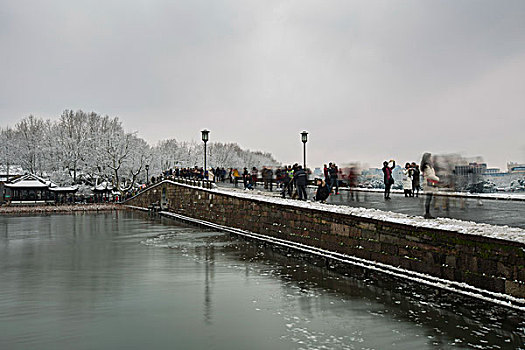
86, 147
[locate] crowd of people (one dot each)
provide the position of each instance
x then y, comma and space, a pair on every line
410, 182
292, 180
411, 179
287, 178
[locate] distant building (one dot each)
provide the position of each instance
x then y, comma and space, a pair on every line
471, 168
27, 189
515, 167
32, 189
104, 192
318, 172
492, 171
373, 172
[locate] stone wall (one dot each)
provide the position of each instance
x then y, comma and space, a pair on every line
487, 263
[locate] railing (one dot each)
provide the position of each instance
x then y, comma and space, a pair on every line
207, 184
197, 183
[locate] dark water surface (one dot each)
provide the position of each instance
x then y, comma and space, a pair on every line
125, 281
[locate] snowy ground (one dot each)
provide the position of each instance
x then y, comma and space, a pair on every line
497, 195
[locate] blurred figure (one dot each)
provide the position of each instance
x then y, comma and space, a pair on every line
245, 177
388, 178
334, 177
416, 174
407, 180
326, 174
278, 177
353, 176
444, 166
287, 175
255, 174
322, 192
267, 174
236, 176
430, 181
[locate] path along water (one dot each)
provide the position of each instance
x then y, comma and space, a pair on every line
122, 280
488, 211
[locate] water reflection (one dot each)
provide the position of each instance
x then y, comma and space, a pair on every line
446, 319
209, 274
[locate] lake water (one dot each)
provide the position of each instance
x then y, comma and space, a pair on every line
122, 280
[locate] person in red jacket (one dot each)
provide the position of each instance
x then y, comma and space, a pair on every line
388, 178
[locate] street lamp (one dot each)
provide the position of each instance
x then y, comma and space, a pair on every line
205, 138
304, 139
147, 174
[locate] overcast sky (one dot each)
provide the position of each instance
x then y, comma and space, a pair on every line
370, 80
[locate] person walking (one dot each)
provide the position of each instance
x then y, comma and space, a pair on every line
334, 177
353, 182
287, 181
300, 182
268, 177
245, 177
407, 180
430, 182
388, 178
255, 175
278, 177
415, 179
263, 177
326, 173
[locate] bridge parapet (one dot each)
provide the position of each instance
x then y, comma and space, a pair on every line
489, 258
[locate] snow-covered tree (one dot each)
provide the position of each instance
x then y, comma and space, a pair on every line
31, 145
80, 147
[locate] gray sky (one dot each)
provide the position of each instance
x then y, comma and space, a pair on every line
370, 80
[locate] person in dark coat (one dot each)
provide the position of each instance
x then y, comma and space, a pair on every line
388, 178
299, 177
416, 179
278, 177
326, 173
253, 180
334, 177
268, 177
246, 177
322, 192
287, 181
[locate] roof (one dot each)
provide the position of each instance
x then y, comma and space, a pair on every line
29, 181
104, 186
64, 189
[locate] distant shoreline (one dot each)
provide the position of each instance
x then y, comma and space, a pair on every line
59, 208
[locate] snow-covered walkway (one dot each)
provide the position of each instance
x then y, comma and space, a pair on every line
460, 226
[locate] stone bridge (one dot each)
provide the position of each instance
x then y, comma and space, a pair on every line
484, 261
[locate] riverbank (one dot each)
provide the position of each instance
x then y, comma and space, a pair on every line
59, 208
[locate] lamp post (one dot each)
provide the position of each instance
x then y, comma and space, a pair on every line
147, 174
304, 139
205, 138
